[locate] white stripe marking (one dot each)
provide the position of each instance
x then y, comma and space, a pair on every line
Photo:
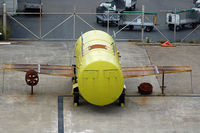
5, 42
156, 69
38, 68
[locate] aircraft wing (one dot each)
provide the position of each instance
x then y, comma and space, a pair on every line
57, 70
130, 72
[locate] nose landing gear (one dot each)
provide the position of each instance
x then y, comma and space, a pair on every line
122, 98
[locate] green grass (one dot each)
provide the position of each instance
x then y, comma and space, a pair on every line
162, 41
191, 41
148, 40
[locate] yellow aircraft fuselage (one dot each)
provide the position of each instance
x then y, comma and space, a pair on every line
99, 75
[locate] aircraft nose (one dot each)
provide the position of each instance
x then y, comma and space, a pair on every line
101, 86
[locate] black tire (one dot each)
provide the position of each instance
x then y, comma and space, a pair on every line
128, 8
148, 29
194, 25
122, 97
120, 27
74, 80
116, 23
98, 21
131, 27
183, 26
171, 27
133, 8
103, 23
76, 96
178, 28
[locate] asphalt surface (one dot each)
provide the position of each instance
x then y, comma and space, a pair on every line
65, 31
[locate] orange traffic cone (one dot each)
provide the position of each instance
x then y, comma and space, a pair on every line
167, 44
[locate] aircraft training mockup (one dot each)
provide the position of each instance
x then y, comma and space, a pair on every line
97, 76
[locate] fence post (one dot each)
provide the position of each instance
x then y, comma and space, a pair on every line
40, 21
4, 21
108, 17
142, 35
74, 25
175, 27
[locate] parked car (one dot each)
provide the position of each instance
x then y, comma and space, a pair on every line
122, 5
106, 12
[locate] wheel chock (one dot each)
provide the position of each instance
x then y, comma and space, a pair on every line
167, 44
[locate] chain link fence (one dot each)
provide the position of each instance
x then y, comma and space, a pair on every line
125, 26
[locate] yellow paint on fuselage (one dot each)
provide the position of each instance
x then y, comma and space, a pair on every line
100, 79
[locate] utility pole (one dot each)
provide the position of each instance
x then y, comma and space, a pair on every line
175, 27
74, 25
4, 21
40, 21
108, 17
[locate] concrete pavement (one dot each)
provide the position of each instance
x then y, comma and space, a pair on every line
44, 112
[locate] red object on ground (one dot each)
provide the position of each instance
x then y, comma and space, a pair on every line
167, 44
145, 88
31, 78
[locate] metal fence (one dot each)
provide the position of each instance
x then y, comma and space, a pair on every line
68, 26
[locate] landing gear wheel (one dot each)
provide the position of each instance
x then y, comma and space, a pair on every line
74, 79
75, 104
122, 98
76, 97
